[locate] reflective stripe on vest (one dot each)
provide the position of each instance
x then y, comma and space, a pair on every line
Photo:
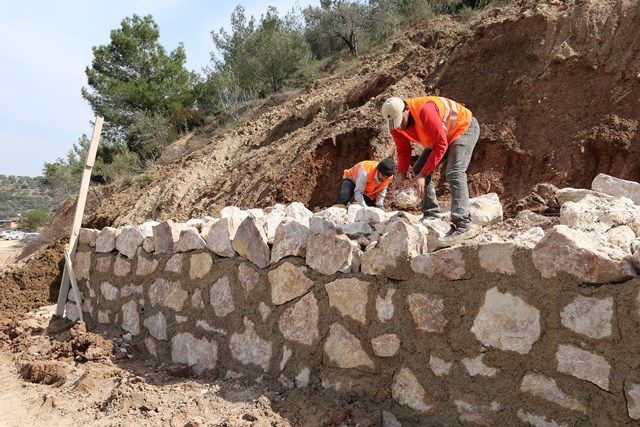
455, 118
371, 167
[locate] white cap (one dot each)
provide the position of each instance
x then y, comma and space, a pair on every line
392, 112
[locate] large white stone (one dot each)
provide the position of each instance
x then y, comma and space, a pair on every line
106, 240
299, 211
616, 187
506, 322
199, 354
498, 257
129, 240
331, 251
355, 229
130, 317
541, 386
407, 391
585, 256
157, 326
344, 350
233, 212
401, 242
167, 294
249, 348
250, 242
447, 262
221, 298
575, 195
589, 316
199, 265
220, 236
632, 392
319, 224
622, 236
590, 214
485, 209
584, 365
82, 265
272, 220
190, 240
371, 215
288, 282
290, 240
334, 215
108, 291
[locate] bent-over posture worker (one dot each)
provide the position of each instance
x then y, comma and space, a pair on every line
447, 130
367, 183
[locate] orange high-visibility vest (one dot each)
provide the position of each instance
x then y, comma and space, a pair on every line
455, 118
371, 166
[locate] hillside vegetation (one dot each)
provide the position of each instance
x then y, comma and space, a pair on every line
20, 194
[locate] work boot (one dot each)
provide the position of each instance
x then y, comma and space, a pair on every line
432, 215
339, 205
459, 234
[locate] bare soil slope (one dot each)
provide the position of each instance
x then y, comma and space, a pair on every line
555, 87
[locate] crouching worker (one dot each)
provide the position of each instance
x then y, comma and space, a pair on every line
367, 183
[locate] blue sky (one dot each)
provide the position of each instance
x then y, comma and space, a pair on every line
46, 46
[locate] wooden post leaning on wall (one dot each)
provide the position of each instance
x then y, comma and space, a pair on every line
77, 219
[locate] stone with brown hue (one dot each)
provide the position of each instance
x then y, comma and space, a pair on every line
344, 350
350, 297
288, 282
407, 391
299, 322
427, 312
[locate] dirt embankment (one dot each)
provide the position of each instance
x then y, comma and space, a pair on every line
554, 85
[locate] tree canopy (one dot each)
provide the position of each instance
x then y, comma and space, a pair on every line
135, 73
256, 59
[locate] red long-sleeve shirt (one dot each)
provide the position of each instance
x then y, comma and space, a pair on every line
432, 124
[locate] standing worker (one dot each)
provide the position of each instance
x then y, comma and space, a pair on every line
367, 183
446, 129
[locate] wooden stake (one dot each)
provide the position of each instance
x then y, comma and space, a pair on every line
77, 219
74, 282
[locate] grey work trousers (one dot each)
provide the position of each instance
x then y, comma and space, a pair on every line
458, 156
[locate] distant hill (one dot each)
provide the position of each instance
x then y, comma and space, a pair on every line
19, 194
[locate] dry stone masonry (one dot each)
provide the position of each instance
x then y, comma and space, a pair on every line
534, 322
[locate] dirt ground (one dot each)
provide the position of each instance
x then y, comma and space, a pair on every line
53, 373
9, 249
553, 84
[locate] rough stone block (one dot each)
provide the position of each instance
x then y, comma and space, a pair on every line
506, 322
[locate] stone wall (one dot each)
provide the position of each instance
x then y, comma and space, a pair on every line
535, 322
